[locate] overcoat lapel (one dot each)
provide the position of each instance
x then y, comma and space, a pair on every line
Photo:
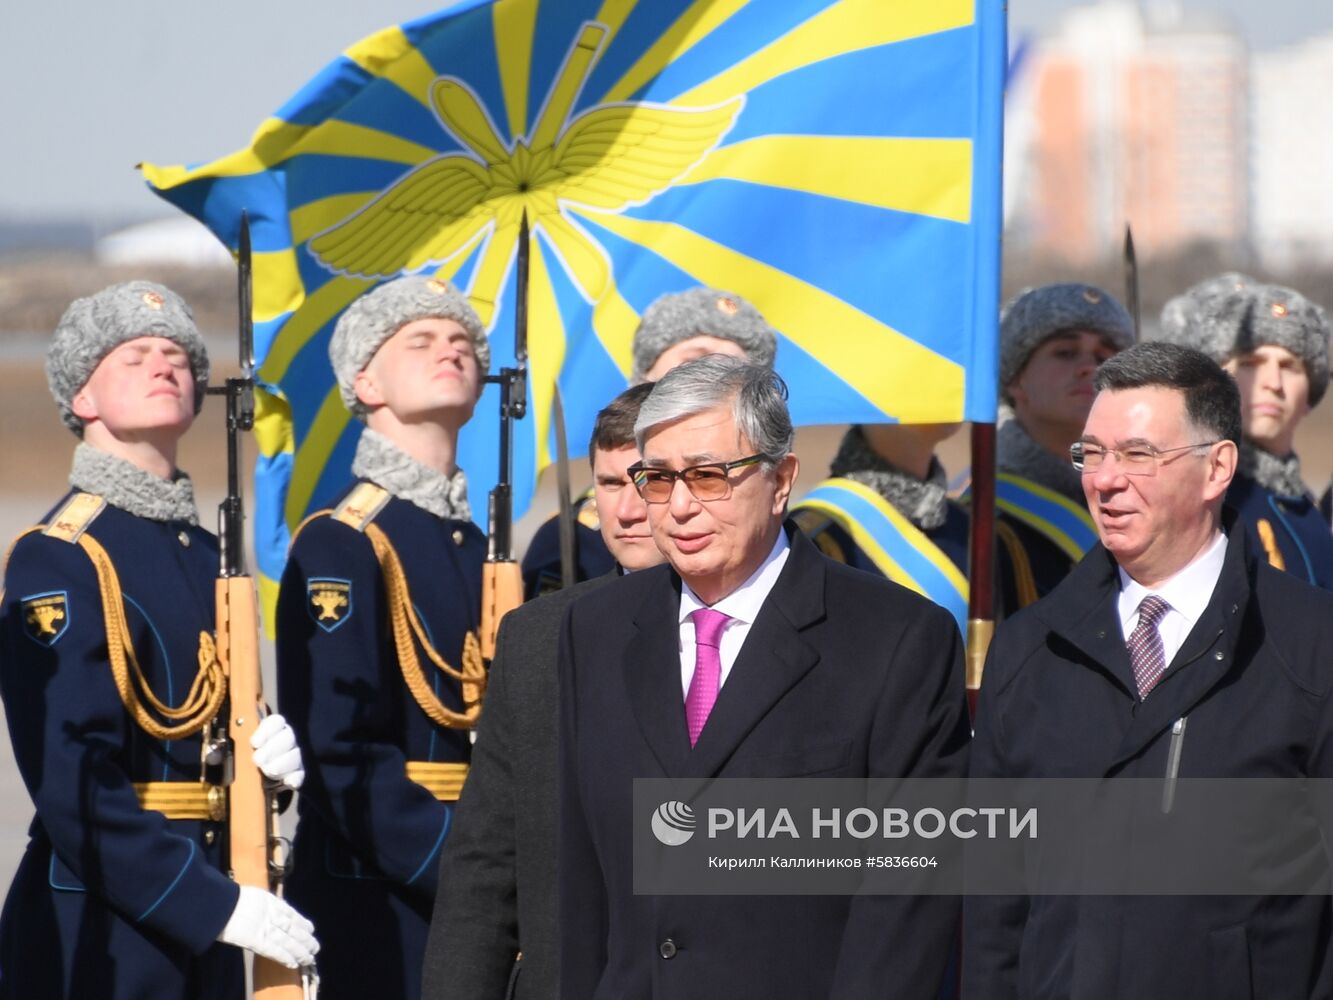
773, 659
652, 674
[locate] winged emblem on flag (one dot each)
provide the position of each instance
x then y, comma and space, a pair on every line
608, 158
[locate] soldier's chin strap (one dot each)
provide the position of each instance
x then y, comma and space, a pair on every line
406, 625
207, 691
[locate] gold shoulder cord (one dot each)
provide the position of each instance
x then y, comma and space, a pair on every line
209, 687
408, 631
1269, 540
1024, 583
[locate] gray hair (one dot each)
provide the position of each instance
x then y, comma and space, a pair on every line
757, 395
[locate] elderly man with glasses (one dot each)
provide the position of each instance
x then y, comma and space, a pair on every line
749, 655
1171, 650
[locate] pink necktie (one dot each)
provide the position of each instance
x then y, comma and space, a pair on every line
708, 626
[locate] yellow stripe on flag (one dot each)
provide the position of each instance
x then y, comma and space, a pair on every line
515, 24
319, 307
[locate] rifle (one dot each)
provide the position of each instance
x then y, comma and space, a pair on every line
501, 579
252, 810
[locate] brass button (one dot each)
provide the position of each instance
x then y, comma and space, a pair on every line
209, 837
184, 539
458, 537
217, 803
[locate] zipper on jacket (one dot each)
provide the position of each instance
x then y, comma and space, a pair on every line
1173, 763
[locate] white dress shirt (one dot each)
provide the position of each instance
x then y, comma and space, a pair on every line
741, 606
1187, 594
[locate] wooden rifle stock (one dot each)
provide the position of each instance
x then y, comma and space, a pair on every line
501, 593
251, 817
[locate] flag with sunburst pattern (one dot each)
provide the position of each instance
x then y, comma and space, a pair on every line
836, 162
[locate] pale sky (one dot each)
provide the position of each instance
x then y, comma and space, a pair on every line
91, 88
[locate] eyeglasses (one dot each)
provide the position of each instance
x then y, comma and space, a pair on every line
1136, 460
705, 482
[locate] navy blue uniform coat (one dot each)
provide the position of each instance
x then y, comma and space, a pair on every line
842, 675
110, 900
1302, 536
1058, 700
367, 849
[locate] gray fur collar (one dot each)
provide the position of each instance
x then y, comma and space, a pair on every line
1280, 475
385, 464
923, 502
131, 489
1017, 452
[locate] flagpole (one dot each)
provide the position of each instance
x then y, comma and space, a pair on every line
981, 558
568, 555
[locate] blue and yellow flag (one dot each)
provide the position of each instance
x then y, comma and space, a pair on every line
836, 162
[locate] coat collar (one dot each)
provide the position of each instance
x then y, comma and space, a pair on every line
774, 658
1082, 611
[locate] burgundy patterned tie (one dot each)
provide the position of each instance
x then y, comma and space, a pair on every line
699, 699
1145, 645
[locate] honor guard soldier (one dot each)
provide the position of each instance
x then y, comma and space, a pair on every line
885, 509
1052, 340
379, 666
112, 687
677, 327
1274, 342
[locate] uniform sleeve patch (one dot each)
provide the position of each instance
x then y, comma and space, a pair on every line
46, 617
329, 601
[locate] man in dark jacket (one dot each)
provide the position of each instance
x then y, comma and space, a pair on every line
497, 873
751, 655
1171, 645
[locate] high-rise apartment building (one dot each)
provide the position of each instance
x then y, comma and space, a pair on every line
1133, 117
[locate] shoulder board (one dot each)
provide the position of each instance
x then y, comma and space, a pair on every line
73, 519
361, 506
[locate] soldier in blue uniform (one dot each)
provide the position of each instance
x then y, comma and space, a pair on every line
1052, 340
379, 667
885, 509
111, 684
677, 327
1275, 342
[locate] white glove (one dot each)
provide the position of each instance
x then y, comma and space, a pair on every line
276, 752
264, 924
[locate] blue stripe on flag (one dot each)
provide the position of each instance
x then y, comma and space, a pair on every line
936, 64
330, 88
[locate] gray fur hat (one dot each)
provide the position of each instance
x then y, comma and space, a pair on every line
1228, 319
1183, 311
95, 326
1035, 314
701, 312
376, 316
